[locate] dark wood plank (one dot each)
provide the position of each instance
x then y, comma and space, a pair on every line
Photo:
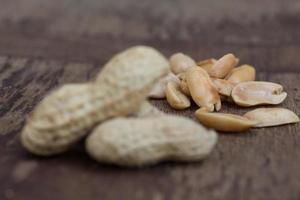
45, 44
266, 34
255, 164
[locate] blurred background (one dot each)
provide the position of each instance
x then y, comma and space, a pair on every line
90, 30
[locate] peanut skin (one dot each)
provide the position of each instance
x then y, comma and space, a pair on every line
140, 142
68, 113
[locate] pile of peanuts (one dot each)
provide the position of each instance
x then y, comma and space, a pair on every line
119, 125
211, 81
113, 116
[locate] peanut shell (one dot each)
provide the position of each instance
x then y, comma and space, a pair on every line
140, 142
67, 114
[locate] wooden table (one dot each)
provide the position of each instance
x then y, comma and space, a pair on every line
46, 43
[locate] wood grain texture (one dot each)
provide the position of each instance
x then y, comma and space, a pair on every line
44, 44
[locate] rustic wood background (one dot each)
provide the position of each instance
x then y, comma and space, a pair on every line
46, 43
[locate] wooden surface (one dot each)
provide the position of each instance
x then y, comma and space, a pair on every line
46, 43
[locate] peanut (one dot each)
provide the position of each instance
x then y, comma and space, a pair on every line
241, 74
223, 66
224, 122
158, 91
180, 62
183, 84
223, 86
207, 64
184, 88
175, 97
272, 116
253, 93
202, 90
140, 142
68, 113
